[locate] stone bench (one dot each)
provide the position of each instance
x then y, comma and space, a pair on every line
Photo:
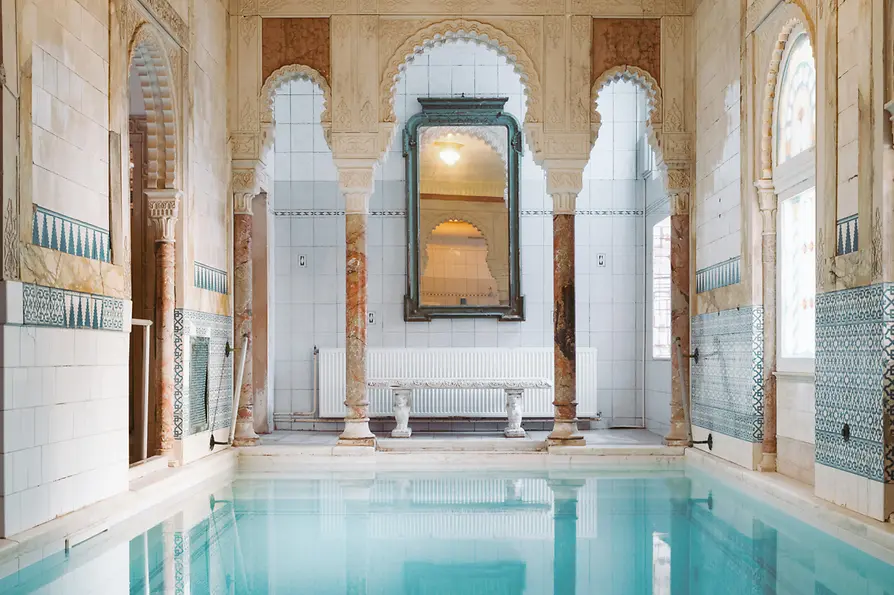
402, 389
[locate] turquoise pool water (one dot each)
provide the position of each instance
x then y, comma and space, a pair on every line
476, 532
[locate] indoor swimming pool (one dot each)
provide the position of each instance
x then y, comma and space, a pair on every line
660, 531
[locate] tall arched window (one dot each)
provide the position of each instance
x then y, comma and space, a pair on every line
794, 178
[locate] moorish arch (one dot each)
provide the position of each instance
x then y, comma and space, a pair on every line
772, 86
277, 79
646, 82
462, 30
150, 64
486, 229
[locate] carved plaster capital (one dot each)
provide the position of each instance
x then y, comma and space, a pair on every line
242, 202
564, 203
679, 178
355, 181
679, 202
164, 208
564, 177
766, 195
248, 176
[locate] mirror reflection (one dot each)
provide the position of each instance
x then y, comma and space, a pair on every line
464, 216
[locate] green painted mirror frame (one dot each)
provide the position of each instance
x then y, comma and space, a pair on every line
461, 111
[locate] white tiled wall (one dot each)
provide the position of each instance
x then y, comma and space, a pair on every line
717, 217
309, 299
70, 111
64, 419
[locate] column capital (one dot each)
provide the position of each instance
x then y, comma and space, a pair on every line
164, 208
249, 176
679, 178
679, 202
242, 202
355, 181
766, 195
564, 181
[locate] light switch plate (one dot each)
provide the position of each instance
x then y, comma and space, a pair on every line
600, 260
371, 317
302, 261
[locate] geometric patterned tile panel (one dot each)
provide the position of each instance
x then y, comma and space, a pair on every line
727, 382
50, 306
210, 278
59, 232
219, 380
854, 373
718, 275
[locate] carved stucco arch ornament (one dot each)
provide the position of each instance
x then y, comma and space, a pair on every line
461, 30
654, 105
769, 104
150, 63
277, 79
471, 219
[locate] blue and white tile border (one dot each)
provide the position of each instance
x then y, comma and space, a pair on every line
210, 278
855, 380
727, 382
54, 307
59, 232
718, 275
219, 329
848, 232
523, 213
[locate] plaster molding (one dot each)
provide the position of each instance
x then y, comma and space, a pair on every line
282, 76
153, 66
169, 18
766, 195
249, 177
164, 208
654, 101
459, 29
760, 10
564, 179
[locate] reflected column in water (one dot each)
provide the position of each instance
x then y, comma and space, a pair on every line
176, 560
680, 538
565, 535
356, 498
764, 540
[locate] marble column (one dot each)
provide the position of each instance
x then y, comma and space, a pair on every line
564, 186
242, 299
163, 211
678, 194
767, 202
356, 183
565, 535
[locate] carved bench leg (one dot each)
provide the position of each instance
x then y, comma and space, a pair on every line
401, 399
514, 413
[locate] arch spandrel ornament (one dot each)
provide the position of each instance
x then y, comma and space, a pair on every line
469, 30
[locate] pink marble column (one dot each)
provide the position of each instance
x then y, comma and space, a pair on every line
767, 202
356, 185
565, 429
242, 297
163, 210
678, 191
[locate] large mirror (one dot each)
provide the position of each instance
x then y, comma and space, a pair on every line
462, 158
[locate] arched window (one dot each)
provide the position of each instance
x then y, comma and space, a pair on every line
796, 106
794, 178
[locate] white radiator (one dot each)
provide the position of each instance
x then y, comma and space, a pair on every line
456, 363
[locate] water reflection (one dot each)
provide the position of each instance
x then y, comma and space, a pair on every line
571, 533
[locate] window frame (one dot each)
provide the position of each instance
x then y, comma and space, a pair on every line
794, 36
795, 175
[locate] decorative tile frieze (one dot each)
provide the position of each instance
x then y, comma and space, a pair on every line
217, 329
727, 382
848, 233
210, 278
59, 232
855, 380
721, 274
51, 306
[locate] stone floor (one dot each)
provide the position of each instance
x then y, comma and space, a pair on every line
593, 437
